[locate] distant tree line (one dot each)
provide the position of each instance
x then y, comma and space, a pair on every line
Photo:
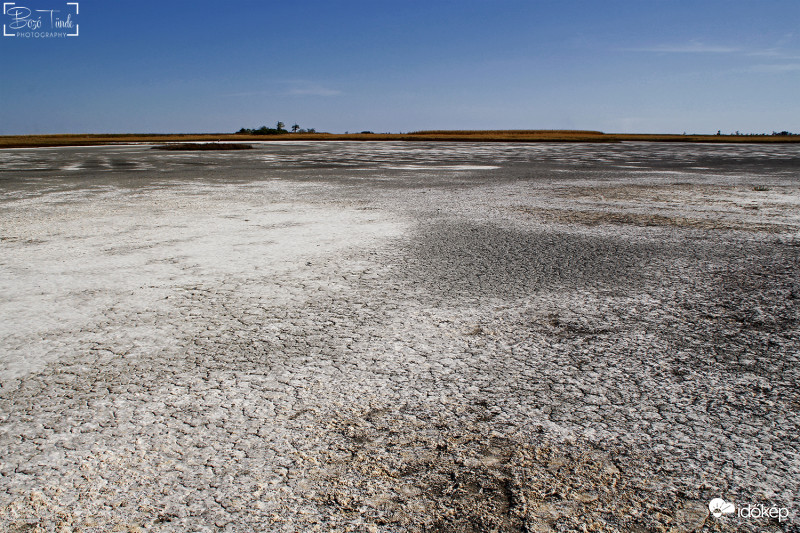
279, 129
783, 133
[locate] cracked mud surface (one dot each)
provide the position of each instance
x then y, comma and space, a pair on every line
399, 337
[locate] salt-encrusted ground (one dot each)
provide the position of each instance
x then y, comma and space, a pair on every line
399, 337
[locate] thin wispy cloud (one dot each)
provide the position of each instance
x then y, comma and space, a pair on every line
783, 49
250, 93
290, 88
301, 87
777, 52
688, 48
775, 68
313, 91
776, 55
769, 52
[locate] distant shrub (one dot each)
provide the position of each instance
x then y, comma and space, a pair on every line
263, 130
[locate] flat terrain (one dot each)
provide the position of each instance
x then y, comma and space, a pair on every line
390, 336
580, 136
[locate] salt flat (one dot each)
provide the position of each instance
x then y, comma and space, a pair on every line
399, 337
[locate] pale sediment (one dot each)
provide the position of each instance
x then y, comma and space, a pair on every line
396, 350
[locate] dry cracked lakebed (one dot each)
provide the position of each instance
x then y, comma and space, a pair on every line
400, 337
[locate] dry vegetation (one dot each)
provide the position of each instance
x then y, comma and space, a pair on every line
507, 132
23, 141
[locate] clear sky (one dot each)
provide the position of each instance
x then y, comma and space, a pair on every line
403, 65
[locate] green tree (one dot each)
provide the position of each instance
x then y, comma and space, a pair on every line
295, 127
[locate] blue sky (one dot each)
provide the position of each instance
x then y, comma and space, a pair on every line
339, 65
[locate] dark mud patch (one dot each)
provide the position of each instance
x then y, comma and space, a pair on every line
618, 218
462, 258
187, 147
